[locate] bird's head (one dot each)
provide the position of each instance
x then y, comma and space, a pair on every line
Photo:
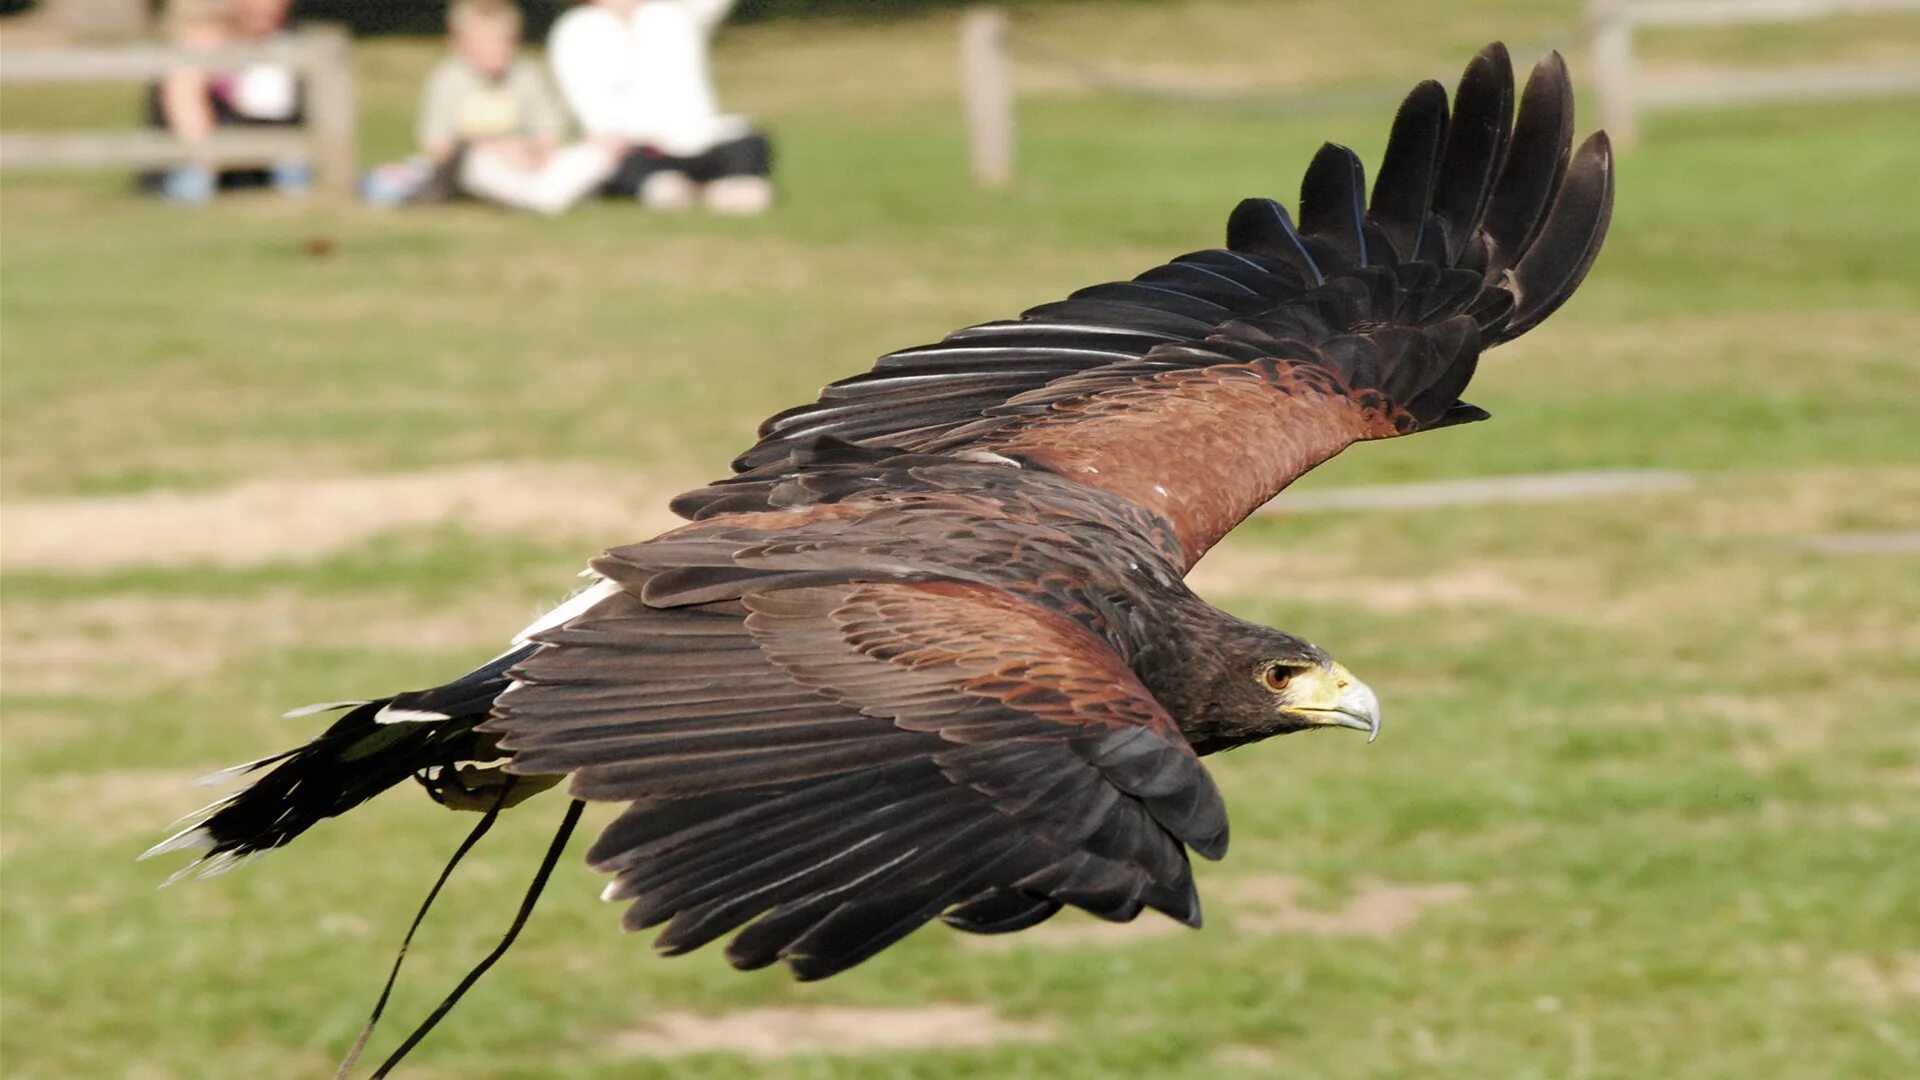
1260, 682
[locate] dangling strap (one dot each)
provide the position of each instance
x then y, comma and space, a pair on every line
519, 920
473, 837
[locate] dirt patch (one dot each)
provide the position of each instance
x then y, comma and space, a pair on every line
825, 1029
127, 645
1878, 982
1800, 506
274, 521
1239, 1057
1244, 568
1889, 542
1868, 817
1269, 904
1785, 729
1309, 580
1471, 586
1482, 491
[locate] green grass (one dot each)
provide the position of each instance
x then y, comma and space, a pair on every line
1670, 752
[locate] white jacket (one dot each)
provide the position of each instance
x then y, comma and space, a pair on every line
643, 77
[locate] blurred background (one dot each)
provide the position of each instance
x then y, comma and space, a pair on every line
1648, 802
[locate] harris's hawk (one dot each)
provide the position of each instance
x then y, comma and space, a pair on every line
928, 653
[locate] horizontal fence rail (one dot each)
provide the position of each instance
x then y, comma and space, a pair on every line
145, 149
1625, 91
1731, 12
135, 62
990, 43
327, 137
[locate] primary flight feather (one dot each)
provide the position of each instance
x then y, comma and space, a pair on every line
928, 653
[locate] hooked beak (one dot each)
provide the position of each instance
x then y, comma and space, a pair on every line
1353, 705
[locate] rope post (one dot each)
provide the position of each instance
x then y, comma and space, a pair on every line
330, 111
1612, 28
986, 82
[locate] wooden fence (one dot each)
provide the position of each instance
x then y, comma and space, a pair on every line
1625, 92
327, 139
986, 84
986, 71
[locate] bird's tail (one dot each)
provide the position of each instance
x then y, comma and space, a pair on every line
427, 735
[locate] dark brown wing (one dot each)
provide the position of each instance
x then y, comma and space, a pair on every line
831, 766
1373, 319
918, 394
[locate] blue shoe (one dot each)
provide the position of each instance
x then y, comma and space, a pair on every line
292, 178
392, 185
193, 184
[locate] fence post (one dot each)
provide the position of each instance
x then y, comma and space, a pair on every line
1612, 28
330, 111
99, 18
987, 86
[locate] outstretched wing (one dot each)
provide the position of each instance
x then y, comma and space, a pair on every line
1203, 388
918, 394
825, 768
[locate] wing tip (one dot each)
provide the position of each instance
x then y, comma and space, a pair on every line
1212, 847
1552, 65
1494, 52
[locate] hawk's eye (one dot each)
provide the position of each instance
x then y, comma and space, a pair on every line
1277, 676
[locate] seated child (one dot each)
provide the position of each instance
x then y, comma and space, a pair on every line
193, 102
490, 127
635, 73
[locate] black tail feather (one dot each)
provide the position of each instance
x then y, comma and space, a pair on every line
427, 735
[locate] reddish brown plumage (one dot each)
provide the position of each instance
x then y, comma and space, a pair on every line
1027, 657
1202, 448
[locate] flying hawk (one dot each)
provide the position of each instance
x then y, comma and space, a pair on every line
928, 653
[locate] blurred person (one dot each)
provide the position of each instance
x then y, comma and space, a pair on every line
490, 126
194, 102
635, 74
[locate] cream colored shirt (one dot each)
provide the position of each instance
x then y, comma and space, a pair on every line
462, 105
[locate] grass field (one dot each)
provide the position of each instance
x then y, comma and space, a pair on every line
1647, 803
